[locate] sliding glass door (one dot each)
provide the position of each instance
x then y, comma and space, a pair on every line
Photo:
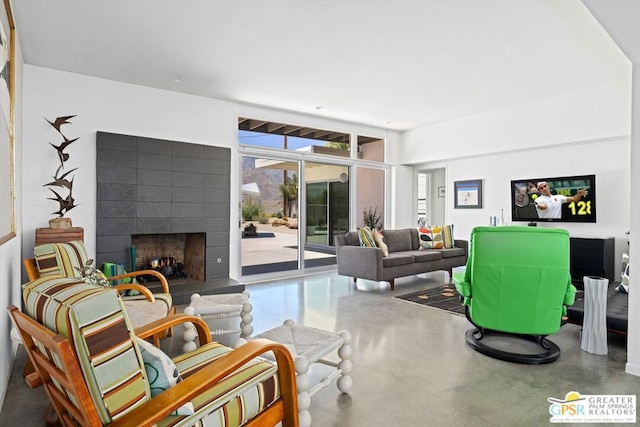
278, 213
269, 216
327, 211
298, 193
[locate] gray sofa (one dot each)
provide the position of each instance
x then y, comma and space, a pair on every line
404, 259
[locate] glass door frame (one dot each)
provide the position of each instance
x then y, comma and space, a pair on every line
301, 158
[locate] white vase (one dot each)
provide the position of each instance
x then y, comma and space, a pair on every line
594, 325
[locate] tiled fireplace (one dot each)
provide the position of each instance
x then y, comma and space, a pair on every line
153, 189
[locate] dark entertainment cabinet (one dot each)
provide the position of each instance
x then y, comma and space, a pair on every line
592, 257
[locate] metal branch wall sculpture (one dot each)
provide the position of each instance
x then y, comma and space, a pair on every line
61, 180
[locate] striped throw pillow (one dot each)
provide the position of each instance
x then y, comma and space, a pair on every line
46, 261
366, 237
447, 236
65, 259
71, 256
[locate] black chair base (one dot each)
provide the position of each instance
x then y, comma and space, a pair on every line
550, 353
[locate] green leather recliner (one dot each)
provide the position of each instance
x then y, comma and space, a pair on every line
516, 283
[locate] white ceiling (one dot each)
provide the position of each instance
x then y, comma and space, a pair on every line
388, 63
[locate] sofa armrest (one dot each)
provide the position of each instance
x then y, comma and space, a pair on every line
463, 244
360, 262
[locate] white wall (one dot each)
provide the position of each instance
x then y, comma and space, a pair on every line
104, 105
608, 160
581, 133
10, 260
592, 114
511, 152
401, 211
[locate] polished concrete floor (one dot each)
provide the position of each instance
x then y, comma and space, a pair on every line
411, 364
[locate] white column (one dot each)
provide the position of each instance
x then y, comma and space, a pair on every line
633, 333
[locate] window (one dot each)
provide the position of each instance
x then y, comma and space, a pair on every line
289, 137
370, 148
317, 165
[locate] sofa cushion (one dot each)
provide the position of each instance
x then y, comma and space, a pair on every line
396, 259
352, 238
453, 252
143, 312
255, 386
398, 240
427, 255
617, 309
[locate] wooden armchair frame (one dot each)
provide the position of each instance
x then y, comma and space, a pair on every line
83, 411
31, 268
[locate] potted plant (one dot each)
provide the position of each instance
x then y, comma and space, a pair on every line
371, 218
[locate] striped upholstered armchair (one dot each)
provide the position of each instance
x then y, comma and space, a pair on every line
97, 370
66, 259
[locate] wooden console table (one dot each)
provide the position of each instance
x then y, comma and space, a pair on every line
58, 235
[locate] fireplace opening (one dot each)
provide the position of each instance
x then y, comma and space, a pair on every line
179, 256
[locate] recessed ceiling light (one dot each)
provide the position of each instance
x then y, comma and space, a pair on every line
178, 80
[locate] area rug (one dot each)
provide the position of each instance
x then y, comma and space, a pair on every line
443, 297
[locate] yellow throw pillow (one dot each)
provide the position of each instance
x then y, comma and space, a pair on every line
366, 237
379, 238
447, 236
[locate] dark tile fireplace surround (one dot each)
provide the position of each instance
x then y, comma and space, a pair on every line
154, 187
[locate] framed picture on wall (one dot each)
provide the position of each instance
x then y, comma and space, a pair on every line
7, 166
468, 194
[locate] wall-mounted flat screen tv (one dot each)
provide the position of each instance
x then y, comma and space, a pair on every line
561, 199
